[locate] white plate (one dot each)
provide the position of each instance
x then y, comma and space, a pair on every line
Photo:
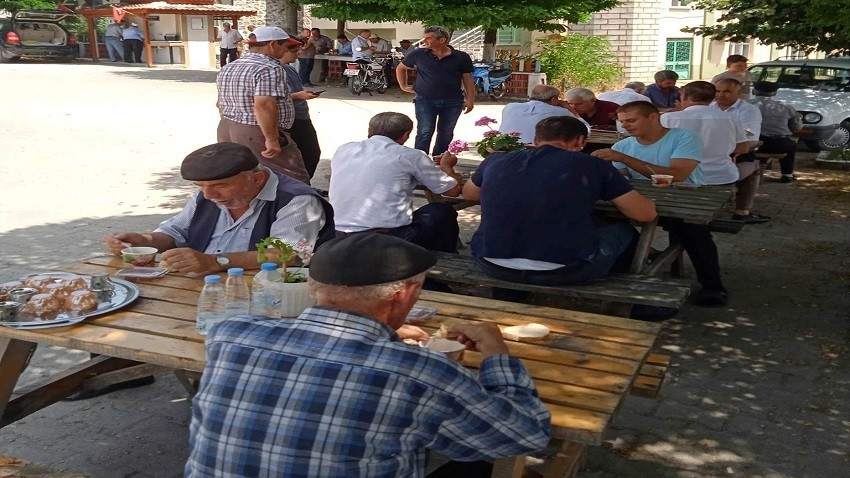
142, 272
124, 293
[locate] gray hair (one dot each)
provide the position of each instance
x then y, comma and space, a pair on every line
666, 75
579, 93
439, 32
225, 24
390, 124
341, 294
635, 85
544, 93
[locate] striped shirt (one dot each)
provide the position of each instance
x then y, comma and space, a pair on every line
254, 74
333, 394
303, 218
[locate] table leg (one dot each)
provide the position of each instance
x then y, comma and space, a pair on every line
644, 245
568, 461
14, 358
511, 467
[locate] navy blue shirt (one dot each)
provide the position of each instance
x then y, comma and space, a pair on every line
438, 78
537, 204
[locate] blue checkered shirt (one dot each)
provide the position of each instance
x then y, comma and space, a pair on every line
253, 74
332, 394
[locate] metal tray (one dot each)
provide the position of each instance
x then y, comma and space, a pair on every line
125, 293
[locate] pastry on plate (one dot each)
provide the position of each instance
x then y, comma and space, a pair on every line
81, 301
43, 306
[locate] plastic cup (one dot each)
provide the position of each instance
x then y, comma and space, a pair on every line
452, 348
139, 256
661, 180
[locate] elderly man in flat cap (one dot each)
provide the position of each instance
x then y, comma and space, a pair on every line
238, 203
338, 393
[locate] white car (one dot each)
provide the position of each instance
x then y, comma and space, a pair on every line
820, 91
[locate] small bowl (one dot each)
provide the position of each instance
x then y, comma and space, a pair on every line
452, 348
661, 180
139, 256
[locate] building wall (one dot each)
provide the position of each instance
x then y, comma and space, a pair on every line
269, 13
391, 31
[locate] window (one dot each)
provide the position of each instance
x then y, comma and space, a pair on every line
680, 3
742, 49
508, 36
793, 53
678, 57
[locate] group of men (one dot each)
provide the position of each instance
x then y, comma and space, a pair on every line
124, 42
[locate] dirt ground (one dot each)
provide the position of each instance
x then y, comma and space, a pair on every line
760, 388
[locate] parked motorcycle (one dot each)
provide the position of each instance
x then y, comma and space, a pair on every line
367, 75
490, 82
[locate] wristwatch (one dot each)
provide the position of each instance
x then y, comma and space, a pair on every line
223, 261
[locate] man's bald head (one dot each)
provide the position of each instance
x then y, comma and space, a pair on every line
545, 93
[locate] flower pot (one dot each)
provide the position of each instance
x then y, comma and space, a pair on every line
296, 296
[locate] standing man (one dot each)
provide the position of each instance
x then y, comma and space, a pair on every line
543, 102
654, 149
405, 48
663, 93
254, 103
444, 88
779, 122
599, 113
323, 46
736, 69
361, 48
133, 42
306, 56
229, 43
336, 393
632, 91
344, 48
302, 130
373, 180
112, 38
728, 99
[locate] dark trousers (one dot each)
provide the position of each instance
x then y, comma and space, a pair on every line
781, 144
434, 227
436, 115
227, 55
324, 66
304, 135
305, 67
699, 244
133, 51
467, 469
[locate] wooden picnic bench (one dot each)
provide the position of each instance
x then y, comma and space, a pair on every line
583, 370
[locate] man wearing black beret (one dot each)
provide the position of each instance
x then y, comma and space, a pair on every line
238, 204
337, 392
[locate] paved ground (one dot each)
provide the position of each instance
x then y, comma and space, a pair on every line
759, 389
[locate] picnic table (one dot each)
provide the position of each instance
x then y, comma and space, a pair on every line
583, 370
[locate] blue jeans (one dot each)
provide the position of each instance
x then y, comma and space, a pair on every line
305, 67
614, 244
114, 48
428, 112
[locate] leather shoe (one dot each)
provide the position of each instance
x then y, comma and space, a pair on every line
787, 179
751, 218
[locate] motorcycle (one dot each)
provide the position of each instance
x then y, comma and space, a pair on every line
369, 75
490, 82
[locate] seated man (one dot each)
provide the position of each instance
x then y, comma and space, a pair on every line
598, 113
632, 91
536, 210
654, 149
729, 99
238, 204
543, 102
663, 93
337, 393
779, 122
372, 185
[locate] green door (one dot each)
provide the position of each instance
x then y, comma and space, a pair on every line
678, 57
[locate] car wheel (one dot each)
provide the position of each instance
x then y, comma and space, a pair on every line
839, 139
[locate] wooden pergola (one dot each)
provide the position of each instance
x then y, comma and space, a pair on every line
143, 10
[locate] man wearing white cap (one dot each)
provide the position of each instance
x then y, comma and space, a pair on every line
255, 106
133, 41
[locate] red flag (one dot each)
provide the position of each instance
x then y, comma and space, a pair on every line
117, 14
63, 8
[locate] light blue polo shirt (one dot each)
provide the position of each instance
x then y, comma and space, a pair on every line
677, 143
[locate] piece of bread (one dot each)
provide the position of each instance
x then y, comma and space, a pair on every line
526, 333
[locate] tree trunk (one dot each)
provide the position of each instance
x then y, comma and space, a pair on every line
489, 53
291, 11
340, 27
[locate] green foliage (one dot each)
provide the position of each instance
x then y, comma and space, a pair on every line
15, 5
841, 154
283, 253
577, 60
816, 25
457, 14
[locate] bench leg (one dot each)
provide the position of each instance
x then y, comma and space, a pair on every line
644, 245
511, 467
568, 461
14, 357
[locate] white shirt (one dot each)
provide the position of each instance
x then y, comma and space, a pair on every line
229, 39
621, 97
747, 114
364, 44
302, 218
372, 183
523, 117
719, 131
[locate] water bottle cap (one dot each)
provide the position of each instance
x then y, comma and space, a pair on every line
235, 271
268, 266
212, 279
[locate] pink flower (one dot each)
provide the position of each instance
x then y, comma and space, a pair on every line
457, 146
491, 134
515, 134
484, 121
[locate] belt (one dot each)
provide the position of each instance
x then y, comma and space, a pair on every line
378, 230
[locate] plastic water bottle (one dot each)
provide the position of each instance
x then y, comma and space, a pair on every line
210, 304
236, 293
266, 294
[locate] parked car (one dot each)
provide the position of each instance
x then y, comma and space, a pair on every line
36, 33
820, 91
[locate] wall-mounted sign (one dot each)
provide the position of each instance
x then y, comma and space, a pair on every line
197, 24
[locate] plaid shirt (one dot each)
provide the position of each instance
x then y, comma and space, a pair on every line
333, 394
254, 74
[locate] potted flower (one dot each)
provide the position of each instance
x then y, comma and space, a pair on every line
296, 293
495, 141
